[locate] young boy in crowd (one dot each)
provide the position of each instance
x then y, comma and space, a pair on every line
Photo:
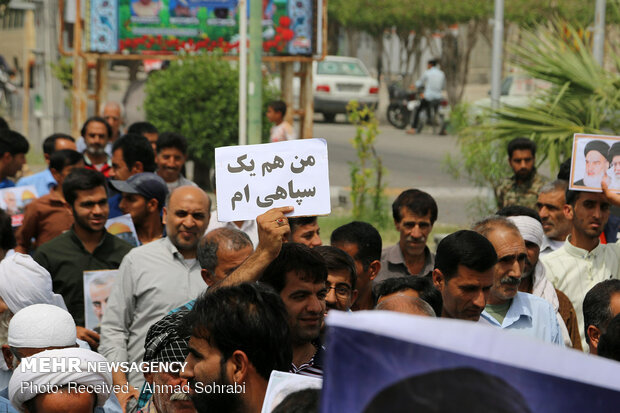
282, 130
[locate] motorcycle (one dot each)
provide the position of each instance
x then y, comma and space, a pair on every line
398, 111
403, 105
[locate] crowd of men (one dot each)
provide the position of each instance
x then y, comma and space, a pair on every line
235, 301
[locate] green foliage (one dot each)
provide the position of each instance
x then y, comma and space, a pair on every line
367, 173
583, 97
63, 71
198, 97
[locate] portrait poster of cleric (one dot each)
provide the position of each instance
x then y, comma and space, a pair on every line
594, 158
445, 365
97, 288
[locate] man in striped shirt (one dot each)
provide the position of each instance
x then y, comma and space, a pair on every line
582, 262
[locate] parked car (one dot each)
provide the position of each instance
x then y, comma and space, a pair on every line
339, 80
516, 90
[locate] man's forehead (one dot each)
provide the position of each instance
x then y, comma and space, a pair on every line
469, 276
339, 276
298, 280
96, 126
408, 215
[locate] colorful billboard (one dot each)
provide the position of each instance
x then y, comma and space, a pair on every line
172, 26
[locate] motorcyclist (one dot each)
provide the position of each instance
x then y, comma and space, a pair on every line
433, 80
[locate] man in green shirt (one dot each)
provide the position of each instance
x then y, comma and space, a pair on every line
87, 246
523, 187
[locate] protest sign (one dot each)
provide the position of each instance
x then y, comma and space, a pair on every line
379, 361
595, 157
97, 288
14, 200
252, 179
122, 226
282, 384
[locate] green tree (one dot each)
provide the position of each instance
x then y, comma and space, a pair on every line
198, 98
582, 97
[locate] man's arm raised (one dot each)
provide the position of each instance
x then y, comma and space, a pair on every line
273, 228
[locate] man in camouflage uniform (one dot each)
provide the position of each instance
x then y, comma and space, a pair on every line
522, 188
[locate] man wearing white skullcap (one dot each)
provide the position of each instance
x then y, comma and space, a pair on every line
23, 282
38, 328
534, 281
70, 386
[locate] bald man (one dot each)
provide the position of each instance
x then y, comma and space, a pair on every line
402, 303
154, 279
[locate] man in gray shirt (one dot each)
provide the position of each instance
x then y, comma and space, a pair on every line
414, 213
154, 279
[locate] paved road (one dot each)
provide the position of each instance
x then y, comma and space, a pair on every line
411, 161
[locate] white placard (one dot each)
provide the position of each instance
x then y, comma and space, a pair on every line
602, 160
252, 179
282, 384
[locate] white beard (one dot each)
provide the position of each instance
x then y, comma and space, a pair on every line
593, 181
5, 319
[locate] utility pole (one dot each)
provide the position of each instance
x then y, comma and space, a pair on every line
599, 32
496, 59
243, 72
255, 90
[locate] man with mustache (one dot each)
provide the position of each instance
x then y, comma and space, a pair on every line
507, 307
341, 278
550, 207
521, 188
414, 214
597, 164
582, 262
97, 132
154, 279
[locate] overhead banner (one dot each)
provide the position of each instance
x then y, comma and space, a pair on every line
379, 362
251, 179
289, 27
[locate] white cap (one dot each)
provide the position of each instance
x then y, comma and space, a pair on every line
42, 326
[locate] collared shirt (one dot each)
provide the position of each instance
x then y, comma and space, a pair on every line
66, 259
434, 81
42, 181
531, 316
6, 183
549, 245
153, 279
45, 218
393, 264
105, 168
249, 227
182, 181
5, 406
574, 271
313, 367
511, 192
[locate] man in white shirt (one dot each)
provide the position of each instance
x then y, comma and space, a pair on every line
582, 262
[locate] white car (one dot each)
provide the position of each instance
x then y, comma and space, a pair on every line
516, 90
339, 80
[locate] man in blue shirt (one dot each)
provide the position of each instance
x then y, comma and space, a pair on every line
506, 307
44, 181
13, 149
